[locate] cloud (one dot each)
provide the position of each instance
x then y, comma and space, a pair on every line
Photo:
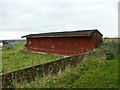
58, 15
13, 34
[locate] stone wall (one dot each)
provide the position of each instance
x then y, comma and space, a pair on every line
50, 68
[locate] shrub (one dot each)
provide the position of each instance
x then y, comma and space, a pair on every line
109, 55
107, 50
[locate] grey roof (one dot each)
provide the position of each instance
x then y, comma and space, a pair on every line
65, 33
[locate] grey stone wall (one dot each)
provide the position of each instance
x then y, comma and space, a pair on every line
50, 68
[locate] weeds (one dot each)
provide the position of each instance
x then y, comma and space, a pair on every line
97, 70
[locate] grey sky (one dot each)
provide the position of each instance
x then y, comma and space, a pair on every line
119, 19
20, 17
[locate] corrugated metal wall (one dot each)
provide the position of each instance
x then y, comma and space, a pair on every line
96, 39
60, 45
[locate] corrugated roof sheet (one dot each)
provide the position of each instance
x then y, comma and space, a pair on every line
65, 33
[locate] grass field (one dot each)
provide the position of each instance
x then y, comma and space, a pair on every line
19, 58
98, 70
0, 59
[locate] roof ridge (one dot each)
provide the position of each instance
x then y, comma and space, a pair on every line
63, 33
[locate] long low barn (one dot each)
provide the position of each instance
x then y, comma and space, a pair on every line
65, 43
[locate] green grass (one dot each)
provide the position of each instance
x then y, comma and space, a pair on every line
19, 58
0, 60
94, 72
91, 73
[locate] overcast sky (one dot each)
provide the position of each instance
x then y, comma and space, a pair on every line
21, 17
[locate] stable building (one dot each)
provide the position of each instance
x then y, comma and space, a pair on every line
64, 43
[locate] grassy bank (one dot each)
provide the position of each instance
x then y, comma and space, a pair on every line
97, 70
19, 58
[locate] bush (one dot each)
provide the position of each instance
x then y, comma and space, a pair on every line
109, 55
107, 50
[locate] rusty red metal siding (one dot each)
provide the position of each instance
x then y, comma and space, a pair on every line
60, 45
96, 39
64, 45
